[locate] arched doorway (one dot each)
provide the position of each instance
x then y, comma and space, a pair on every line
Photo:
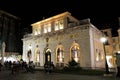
29, 55
75, 52
37, 57
47, 56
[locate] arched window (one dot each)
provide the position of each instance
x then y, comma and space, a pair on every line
47, 55
37, 56
75, 52
60, 55
29, 55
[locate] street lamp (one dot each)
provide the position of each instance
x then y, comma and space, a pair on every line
104, 40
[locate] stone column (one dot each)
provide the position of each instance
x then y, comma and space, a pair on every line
3, 52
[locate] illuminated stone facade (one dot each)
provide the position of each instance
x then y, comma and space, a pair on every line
63, 38
112, 47
115, 45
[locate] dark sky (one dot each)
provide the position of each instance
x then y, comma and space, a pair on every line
100, 12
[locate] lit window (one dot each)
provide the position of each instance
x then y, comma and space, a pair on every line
59, 25
35, 32
60, 55
39, 30
110, 61
75, 53
47, 28
56, 26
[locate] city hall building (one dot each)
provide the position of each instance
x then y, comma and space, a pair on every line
61, 38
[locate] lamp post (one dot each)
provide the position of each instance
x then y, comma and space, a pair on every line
104, 40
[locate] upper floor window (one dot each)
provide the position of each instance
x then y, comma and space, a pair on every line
56, 26
59, 24
37, 30
47, 28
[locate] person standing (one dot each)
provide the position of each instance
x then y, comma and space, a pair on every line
1, 66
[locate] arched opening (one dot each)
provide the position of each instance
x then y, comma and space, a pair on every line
29, 55
60, 56
47, 56
37, 57
75, 52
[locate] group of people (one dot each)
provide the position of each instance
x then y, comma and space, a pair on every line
19, 66
23, 66
49, 67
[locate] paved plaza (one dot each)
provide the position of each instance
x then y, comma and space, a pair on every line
40, 75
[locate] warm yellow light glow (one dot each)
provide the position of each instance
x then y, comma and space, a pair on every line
35, 33
56, 26
60, 59
45, 28
76, 59
48, 50
51, 18
118, 52
97, 59
109, 61
48, 58
39, 30
30, 47
59, 25
49, 27
103, 39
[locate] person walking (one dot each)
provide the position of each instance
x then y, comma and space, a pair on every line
1, 66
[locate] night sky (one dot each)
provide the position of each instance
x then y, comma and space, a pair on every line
101, 13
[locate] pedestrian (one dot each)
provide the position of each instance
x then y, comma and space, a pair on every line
31, 67
1, 66
52, 67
